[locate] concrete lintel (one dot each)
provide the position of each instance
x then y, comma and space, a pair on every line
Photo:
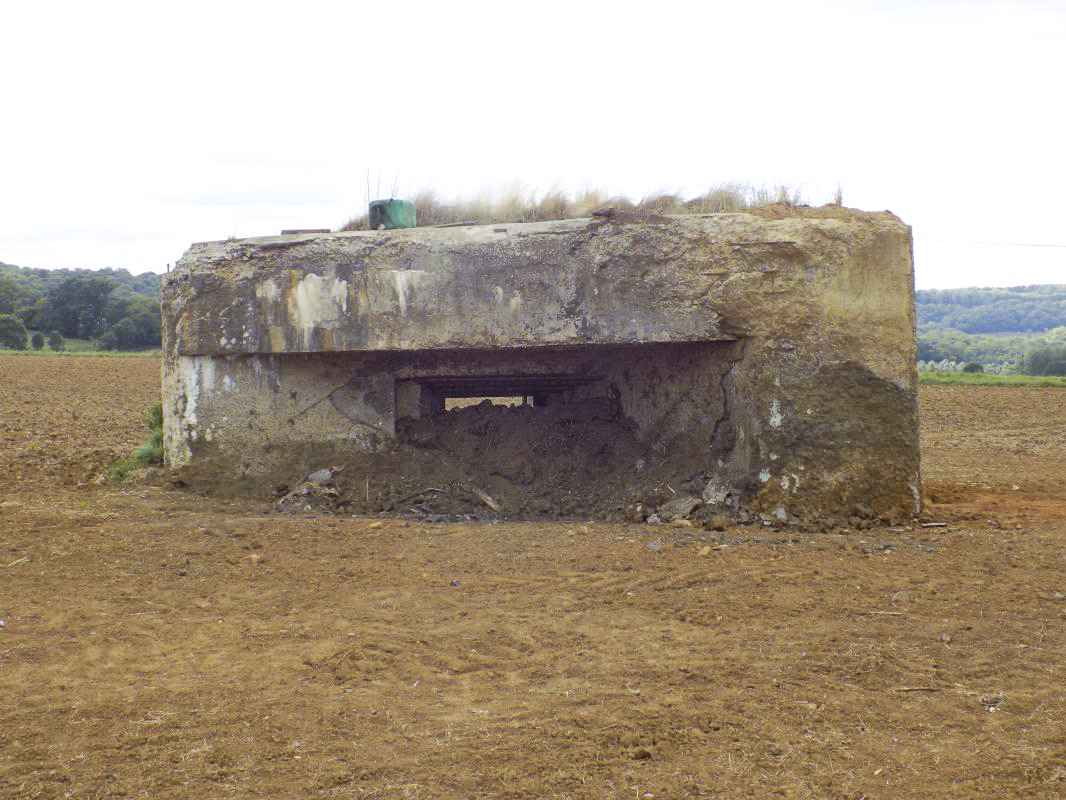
518, 285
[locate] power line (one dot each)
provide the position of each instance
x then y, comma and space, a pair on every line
998, 244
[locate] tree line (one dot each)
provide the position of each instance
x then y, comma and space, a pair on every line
113, 308
1020, 329
1035, 354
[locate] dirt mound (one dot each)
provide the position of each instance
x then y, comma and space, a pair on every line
513, 461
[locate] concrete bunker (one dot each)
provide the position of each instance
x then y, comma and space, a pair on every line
759, 362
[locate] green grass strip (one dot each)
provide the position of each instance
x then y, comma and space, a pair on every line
82, 353
980, 379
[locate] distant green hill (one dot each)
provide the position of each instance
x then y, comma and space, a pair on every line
1019, 309
111, 306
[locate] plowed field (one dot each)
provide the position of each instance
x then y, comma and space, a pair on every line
158, 644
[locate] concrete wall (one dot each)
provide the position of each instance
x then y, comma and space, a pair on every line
771, 353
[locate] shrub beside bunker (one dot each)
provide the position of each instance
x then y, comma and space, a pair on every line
148, 453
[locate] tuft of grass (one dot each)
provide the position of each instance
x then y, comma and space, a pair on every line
981, 379
514, 203
149, 452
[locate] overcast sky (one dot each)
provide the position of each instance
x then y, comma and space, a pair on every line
130, 130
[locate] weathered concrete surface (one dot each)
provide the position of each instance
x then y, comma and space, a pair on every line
766, 357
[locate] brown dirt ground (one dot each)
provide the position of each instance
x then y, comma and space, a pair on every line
163, 645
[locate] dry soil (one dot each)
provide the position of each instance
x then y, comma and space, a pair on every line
159, 644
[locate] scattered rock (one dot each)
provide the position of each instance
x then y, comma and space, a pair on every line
634, 513
680, 506
716, 492
320, 477
3, 624
704, 551
1058, 596
656, 546
453, 583
992, 702
901, 598
307, 497
718, 522
654, 519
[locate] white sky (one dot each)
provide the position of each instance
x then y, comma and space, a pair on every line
129, 130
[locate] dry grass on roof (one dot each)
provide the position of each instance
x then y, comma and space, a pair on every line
516, 204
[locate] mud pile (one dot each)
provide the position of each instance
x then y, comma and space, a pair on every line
520, 461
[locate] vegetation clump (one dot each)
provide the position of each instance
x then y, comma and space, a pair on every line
147, 454
518, 204
1046, 361
13, 333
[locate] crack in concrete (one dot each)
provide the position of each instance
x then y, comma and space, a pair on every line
329, 396
727, 396
319, 401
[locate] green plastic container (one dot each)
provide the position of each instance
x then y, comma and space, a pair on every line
389, 214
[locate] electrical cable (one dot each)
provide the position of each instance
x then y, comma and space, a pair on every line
999, 244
